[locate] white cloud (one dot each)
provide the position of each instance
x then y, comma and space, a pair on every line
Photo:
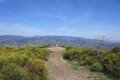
18, 29
65, 19
65, 30
51, 15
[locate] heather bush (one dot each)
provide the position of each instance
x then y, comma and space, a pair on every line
67, 48
112, 64
102, 60
96, 67
26, 63
44, 46
116, 49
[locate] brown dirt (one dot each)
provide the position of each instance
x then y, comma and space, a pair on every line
59, 69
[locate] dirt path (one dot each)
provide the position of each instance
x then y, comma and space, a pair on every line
59, 69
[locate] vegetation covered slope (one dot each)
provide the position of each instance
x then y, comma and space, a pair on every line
11, 40
106, 61
26, 63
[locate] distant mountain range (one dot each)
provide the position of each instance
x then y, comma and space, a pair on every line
13, 40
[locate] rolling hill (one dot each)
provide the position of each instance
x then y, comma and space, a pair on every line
13, 40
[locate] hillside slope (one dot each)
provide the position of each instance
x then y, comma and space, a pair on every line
11, 40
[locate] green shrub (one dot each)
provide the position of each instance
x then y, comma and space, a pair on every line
3, 60
71, 54
67, 47
44, 46
26, 63
116, 49
97, 67
89, 60
112, 64
102, 60
80, 55
14, 72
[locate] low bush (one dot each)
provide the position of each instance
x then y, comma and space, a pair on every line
26, 63
104, 60
14, 72
112, 64
116, 49
67, 47
97, 67
44, 46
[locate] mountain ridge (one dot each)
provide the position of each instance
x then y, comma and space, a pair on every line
15, 40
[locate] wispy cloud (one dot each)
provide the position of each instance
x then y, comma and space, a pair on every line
18, 29
65, 19
51, 16
90, 32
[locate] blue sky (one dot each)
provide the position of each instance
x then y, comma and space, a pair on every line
81, 18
